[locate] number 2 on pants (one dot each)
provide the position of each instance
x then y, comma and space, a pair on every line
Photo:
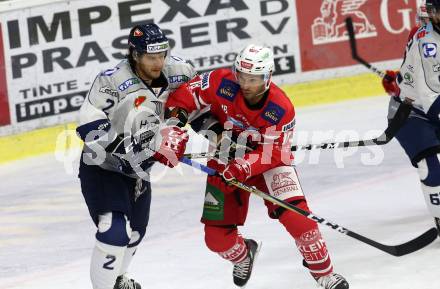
107, 264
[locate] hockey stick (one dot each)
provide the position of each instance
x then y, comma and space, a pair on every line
355, 55
389, 133
398, 250
395, 124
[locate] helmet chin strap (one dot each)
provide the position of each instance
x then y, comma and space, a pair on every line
263, 92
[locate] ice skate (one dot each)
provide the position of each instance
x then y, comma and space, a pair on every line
332, 281
123, 282
242, 271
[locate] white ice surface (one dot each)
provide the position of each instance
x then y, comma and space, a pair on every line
46, 236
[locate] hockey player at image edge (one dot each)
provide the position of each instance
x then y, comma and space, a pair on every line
120, 124
418, 82
246, 102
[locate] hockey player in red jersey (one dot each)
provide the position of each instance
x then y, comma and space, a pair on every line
252, 113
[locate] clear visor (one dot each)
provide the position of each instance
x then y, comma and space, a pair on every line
250, 79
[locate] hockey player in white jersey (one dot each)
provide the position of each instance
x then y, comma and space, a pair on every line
121, 125
419, 84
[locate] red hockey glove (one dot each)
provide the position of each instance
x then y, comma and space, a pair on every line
238, 169
172, 147
391, 87
216, 180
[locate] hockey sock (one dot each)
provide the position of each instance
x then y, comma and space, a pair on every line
308, 240
126, 261
429, 172
111, 243
105, 265
131, 250
227, 242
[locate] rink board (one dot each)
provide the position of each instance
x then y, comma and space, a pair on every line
51, 51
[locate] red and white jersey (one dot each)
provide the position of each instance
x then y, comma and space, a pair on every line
271, 124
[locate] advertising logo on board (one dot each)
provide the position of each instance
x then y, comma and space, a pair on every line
54, 51
381, 27
330, 25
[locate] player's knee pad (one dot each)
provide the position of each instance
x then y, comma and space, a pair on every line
113, 229
429, 170
220, 238
136, 237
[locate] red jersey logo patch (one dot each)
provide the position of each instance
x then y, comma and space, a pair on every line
139, 100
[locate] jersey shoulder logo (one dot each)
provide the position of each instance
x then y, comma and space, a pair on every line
273, 113
429, 49
109, 72
205, 80
178, 78
129, 82
228, 89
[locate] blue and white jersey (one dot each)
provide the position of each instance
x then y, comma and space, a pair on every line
120, 104
419, 77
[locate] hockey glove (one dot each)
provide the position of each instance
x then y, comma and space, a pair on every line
391, 87
124, 149
238, 169
216, 180
129, 153
172, 147
230, 146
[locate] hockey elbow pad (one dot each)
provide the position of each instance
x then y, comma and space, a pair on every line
98, 132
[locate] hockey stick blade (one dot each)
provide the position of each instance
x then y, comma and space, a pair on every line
402, 249
354, 52
398, 250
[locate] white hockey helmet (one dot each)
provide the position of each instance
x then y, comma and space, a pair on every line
256, 60
421, 11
